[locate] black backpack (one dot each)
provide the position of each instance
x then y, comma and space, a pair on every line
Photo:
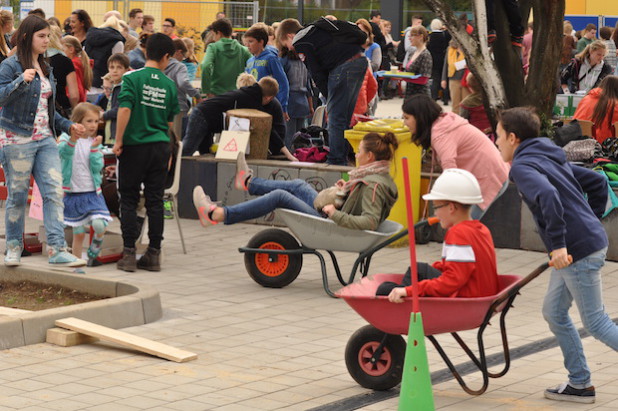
312, 136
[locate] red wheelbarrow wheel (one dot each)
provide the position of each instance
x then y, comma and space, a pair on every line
274, 270
381, 373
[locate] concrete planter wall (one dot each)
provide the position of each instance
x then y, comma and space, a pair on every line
128, 305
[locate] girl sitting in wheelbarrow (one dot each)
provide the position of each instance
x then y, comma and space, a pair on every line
369, 194
468, 265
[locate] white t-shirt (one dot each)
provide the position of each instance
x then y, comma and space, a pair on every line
81, 179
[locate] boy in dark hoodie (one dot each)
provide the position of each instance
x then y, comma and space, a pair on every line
265, 63
331, 50
206, 118
566, 202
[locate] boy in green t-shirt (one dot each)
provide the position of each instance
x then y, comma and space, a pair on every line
148, 103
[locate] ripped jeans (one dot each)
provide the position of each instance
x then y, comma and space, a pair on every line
41, 159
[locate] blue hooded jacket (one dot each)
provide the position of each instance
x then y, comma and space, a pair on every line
268, 64
555, 192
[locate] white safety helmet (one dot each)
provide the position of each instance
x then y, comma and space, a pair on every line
455, 184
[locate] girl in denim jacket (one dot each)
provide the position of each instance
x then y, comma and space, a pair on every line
28, 125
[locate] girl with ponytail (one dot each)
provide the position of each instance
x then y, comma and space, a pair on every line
367, 197
82, 63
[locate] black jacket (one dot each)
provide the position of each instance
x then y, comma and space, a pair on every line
437, 45
112, 113
378, 37
99, 45
245, 97
325, 44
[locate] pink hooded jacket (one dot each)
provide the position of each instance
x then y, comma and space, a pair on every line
458, 144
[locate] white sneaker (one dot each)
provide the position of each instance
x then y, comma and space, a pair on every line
60, 257
13, 253
243, 173
204, 205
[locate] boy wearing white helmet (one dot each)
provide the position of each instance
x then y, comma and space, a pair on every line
468, 264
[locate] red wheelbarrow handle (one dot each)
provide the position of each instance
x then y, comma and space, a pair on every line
515, 289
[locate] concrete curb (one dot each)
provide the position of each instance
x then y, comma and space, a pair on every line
128, 305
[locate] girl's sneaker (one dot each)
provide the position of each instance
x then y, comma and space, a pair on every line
204, 206
13, 253
243, 173
60, 257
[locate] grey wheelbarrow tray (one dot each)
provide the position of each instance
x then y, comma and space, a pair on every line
278, 250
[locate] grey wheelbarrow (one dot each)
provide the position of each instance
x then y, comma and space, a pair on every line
274, 257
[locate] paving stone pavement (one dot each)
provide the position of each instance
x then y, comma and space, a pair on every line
266, 349
269, 349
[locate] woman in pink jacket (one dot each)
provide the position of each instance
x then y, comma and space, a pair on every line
457, 144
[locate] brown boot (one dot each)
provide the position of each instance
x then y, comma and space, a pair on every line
150, 260
127, 262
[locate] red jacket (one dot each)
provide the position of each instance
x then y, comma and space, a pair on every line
468, 264
366, 94
585, 109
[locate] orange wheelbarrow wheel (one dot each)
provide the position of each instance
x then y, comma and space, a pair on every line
273, 270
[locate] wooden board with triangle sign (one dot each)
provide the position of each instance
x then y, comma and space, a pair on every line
231, 143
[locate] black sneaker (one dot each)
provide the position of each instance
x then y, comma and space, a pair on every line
564, 392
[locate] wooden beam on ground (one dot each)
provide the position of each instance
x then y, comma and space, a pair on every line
127, 340
68, 338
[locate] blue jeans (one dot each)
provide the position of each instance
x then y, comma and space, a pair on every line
344, 83
579, 282
41, 159
295, 195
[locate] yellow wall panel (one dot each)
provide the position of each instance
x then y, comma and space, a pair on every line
63, 9
575, 7
592, 7
604, 7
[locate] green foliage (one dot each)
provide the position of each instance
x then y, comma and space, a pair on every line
547, 128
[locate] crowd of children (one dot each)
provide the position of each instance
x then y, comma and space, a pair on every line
144, 113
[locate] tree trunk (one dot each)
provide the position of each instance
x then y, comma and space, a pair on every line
542, 84
503, 81
477, 52
260, 127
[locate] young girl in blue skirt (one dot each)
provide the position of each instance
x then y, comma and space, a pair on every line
82, 162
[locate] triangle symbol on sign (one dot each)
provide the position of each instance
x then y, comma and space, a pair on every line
231, 146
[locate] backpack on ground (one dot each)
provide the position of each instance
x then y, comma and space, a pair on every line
312, 136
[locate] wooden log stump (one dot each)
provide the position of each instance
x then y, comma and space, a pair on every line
260, 126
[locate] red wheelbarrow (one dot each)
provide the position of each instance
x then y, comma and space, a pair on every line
375, 353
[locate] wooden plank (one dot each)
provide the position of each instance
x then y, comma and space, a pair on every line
126, 340
68, 338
